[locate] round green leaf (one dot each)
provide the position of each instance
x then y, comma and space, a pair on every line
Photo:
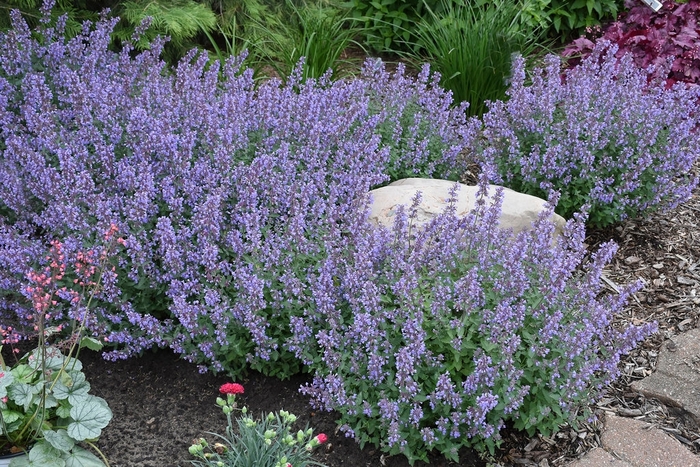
41, 455
82, 458
76, 389
91, 343
6, 378
89, 418
59, 440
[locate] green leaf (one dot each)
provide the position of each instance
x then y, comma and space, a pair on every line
65, 379
23, 373
91, 343
557, 23
82, 458
6, 378
9, 416
590, 5
75, 391
59, 440
54, 359
41, 455
89, 418
63, 411
23, 394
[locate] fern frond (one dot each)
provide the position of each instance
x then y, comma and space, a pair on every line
182, 19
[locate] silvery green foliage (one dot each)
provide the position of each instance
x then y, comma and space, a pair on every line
604, 134
56, 391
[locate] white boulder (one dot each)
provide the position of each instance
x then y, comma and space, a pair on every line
518, 211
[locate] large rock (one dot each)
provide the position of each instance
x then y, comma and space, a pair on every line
518, 211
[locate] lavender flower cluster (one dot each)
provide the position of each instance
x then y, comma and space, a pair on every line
439, 336
228, 196
603, 134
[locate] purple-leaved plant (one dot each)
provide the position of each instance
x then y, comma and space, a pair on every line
602, 134
440, 335
652, 38
229, 196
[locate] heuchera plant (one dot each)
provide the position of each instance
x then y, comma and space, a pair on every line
602, 135
652, 38
438, 336
45, 406
229, 196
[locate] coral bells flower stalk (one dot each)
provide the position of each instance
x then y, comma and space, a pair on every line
34, 392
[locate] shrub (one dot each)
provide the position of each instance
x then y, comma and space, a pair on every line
471, 46
316, 32
600, 135
563, 19
436, 337
385, 24
228, 196
652, 38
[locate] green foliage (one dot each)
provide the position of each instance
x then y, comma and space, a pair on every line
564, 19
270, 441
180, 20
316, 31
385, 22
471, 46
52, 412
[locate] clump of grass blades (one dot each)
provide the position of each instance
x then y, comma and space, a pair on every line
471, 45
316, 31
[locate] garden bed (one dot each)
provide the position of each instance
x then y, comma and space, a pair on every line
161, 402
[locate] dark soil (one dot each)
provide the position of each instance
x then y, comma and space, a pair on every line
161, 403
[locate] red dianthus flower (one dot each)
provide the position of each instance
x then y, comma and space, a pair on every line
231, 388
322, 438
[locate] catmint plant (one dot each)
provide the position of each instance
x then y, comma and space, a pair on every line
602, 134
229, 196
436, 337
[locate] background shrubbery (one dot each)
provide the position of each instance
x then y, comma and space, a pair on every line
278, 32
